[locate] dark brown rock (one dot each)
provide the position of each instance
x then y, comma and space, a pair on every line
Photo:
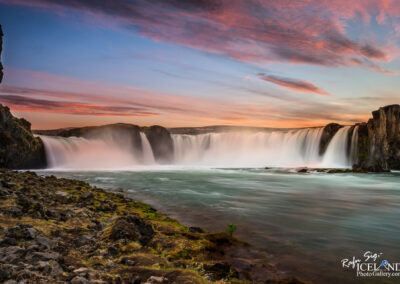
19, 149
132, 228
379, 141
221, 270
161, 143
327, 135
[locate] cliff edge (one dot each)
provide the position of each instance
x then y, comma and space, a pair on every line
19, 149
379, 141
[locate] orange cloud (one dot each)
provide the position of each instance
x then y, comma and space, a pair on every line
294, 84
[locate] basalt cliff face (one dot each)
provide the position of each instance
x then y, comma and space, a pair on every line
19, 149
379, 140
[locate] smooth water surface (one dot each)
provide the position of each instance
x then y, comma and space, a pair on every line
306, 223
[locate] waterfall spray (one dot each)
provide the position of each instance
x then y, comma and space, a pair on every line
292, 148
353, 146
336, 153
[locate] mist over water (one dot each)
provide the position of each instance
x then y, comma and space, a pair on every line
293, 148
94, 153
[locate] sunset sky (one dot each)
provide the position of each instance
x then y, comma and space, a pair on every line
175, 63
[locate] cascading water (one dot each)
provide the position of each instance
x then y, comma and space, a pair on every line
148, 157
96, 153
353, 147
249, 149
336, 153
293, 148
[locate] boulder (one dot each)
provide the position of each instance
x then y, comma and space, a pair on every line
156, 280
131, 228
161, 143
19, 149
221, 270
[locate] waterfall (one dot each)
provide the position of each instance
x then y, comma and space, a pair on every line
249, 149
336, 153
148, 157
289, 148
76, 153
353, 146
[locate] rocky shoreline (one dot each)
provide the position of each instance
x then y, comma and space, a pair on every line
65, 231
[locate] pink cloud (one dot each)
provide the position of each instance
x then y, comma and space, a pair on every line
299, 32
294, 84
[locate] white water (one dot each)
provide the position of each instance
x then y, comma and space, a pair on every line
148, 157
249, 149
336, 154
90, 154
294, 148
354, 143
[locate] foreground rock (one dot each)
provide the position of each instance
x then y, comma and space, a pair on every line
19, 149
64, 231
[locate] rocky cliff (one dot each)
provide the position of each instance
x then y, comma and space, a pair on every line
379, 141
19, 149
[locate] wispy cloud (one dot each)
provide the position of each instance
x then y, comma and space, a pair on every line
22, 103
299, 32
294, 84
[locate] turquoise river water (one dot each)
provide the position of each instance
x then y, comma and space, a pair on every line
305, 223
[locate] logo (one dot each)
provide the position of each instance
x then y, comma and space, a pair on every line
372, 265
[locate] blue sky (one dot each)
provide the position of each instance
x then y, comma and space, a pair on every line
198, 64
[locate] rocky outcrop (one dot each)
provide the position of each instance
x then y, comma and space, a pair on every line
161, 143
379, 141
19, 149
327, 135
